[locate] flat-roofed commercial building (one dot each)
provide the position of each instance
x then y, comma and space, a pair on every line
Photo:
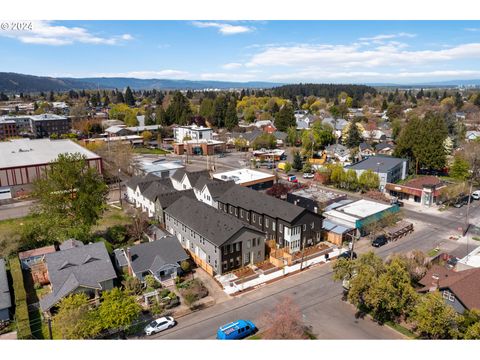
46, 125
248, 178
24, 160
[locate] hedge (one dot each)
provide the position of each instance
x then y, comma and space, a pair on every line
21, 307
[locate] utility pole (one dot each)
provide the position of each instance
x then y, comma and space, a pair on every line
353, 245
49, 322
303, 252
120, 188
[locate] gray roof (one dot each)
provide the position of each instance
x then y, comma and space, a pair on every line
134, 181
218, 188
157, 188
156, 254
340, 123
167, 199
250, 136
280, 135
364, 146
84, 266
120, 257
5, 300
382, 164
383, 145
261, 203
70, 243
214, 225
193, 176
153, 230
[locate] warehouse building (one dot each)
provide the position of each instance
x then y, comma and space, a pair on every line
24, 160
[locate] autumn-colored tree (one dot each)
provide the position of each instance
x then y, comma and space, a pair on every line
283, 322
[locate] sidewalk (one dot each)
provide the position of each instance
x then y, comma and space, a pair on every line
17, 204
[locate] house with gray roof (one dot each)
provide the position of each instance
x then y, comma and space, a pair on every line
217, 242
288, 224
208, 190
389, 169
85, 269
160, 258
5, 298
164, 200
338, 152
184, 180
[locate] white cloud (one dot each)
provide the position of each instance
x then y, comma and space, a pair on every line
472, 29
46, 33
387, 36
356, 56
167, 73
231, 66
223, 28
228, 76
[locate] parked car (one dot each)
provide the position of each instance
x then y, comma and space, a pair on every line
159, 325
476, 195
236, 330
293, 179
379, 241
347, 255
308, 176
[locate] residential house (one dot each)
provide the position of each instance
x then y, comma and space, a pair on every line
209, 190
374, 135
338, 153
160, 258
365, 150
472, 135
459, 289
85, 269
154, 233
289, 225
384, 148
117, 130
5, 297
184, 180
137, 185
281, 137
389, 169
164, 200
216, 241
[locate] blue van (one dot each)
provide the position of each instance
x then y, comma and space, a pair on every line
236, 330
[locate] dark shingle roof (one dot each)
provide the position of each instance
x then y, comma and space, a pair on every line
382, 164
261, 203
364, 146
219, 187
193, 176
157, 188
84, 266
214, 225
137, 180
5, 300
464, 284
153, 255
167, 199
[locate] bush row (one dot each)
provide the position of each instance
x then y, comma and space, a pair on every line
21, 307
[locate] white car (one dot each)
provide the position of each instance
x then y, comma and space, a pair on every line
159, 325
308, 176
476, 195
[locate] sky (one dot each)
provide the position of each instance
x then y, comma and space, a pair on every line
399, 52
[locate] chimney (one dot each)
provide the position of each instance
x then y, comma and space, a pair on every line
129, 261
154, 236
435, 282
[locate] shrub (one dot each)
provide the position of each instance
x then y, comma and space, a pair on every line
164, 293
190, 298
117, 234
21, 308
156, 308
185, 265
151, 282
132, 285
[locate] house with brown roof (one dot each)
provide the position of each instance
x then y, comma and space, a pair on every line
459, 289
424, 190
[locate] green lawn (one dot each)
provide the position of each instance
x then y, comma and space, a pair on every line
112, 217
150, 151
433, 252
401, 329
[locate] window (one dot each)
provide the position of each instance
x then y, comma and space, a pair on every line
238, 246
260, 220
280, 228
231, 209
274, 224
304, 227
227, 249
266, 222
237, 261
248, 216
253, 242
248, 244
313, 224
254, 217
225, 265
447, 295
215, 251
241, 213
215, 263
236, 212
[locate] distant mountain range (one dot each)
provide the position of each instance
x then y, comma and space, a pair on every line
13, 82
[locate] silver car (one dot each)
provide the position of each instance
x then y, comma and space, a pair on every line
159, 325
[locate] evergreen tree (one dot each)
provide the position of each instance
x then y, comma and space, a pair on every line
231, 118
458, 101
120, 98
129, 99
297, 161
354, 138
420, 94
206, 109
179, 111
384, 105
51, 96
160, 116
285, 118
220, 105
